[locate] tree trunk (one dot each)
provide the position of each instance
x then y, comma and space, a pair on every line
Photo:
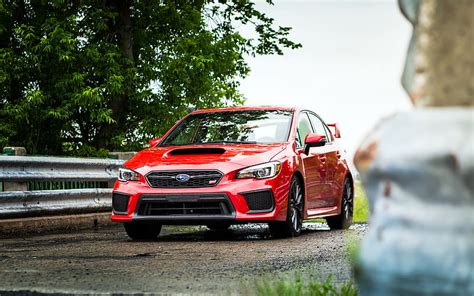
119, 104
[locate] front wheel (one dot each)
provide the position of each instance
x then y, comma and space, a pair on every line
142, 230
344, 219
294, 217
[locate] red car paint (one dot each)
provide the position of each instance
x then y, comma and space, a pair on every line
323, 173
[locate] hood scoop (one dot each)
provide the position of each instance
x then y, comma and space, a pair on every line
197, 151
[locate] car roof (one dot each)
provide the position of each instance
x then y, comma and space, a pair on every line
244, 108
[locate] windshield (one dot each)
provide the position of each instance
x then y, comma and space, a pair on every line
234, 127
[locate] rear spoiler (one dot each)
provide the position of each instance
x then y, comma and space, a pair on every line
334, 127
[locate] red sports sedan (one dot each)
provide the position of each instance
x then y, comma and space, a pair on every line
225, 166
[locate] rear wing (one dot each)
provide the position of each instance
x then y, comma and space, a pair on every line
334, 127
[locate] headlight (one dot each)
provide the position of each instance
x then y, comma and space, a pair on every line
128, 175
261, 171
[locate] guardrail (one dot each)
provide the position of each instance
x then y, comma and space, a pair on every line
72, 185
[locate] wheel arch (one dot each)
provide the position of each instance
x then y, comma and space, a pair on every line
299, 175
351, 178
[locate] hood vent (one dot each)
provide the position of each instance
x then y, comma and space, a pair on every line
194, 151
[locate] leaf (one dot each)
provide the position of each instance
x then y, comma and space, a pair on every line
77, 76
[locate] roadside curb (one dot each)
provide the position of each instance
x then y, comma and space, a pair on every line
46, 224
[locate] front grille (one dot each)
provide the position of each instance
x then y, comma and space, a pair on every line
259, 201
182, 208
197, 179
184, 205
120, 203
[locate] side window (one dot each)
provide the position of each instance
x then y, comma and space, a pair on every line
298, 140
328, 132
320, 127
304, 128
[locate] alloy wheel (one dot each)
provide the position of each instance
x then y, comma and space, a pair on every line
292, 226
348, 200
296, 206
344, 219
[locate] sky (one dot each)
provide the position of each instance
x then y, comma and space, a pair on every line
349, 67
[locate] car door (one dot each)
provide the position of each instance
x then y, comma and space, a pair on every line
337, 172
313, 165
330, 152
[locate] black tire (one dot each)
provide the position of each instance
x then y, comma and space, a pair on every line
294, 216
344, 219
142, 230
218, 226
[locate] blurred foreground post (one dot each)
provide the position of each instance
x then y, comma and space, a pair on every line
418, 167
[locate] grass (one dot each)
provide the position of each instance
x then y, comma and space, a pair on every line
298, 284
361, 206
307, 284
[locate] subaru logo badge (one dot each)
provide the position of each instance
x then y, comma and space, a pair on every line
182, 177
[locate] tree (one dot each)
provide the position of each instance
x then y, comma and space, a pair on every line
83, 75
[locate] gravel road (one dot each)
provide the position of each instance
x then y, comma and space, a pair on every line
182, 260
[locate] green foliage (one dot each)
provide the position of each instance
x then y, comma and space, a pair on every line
301, 285
80, 76
361, 206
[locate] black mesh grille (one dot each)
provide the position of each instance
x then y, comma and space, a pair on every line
260, 201
183, 208
120, 203
185, 205
197, 179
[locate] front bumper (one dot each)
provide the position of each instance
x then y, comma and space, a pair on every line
229, 201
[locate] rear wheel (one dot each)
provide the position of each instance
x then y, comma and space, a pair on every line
142, 230
294, 217
344, 219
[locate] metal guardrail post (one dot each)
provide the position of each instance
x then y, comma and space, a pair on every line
418, 167
18, 151
14, 186
421, 192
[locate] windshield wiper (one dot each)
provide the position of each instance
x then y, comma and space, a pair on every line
228, 142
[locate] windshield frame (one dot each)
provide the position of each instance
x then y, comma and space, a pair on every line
178, 124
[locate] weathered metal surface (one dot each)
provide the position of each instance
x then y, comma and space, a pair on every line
50, 202
418, 167
15, 186
418, 172
28, 168
440, 64
17, 171
19, 151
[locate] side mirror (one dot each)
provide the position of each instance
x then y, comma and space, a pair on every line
153, 142
335, 129
313, 140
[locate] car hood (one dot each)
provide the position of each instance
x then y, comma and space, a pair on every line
225, 158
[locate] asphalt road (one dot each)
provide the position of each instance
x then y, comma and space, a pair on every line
182, 260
